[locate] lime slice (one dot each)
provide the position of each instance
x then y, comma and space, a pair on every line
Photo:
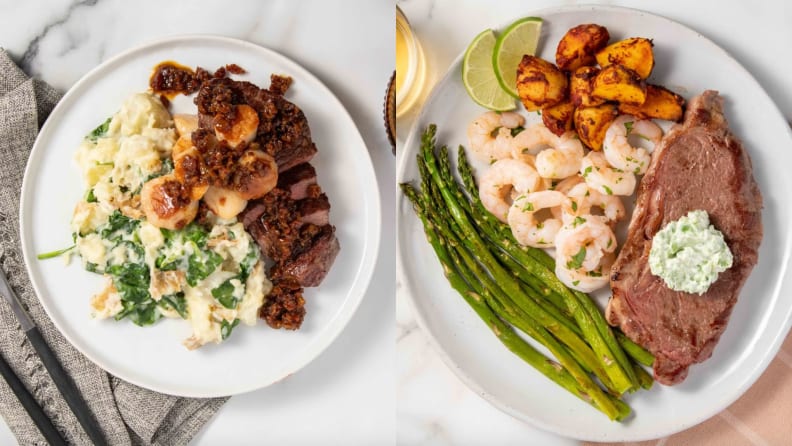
520, 38
478, 75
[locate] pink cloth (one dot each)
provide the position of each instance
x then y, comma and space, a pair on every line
763, 416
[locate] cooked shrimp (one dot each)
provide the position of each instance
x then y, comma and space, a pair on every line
600, 176
618, 151
501, 180
225, 203
556, 156
528, 230
490, 135
243, 128
581, 199
257, 174
586, 281
583, 250
166, 203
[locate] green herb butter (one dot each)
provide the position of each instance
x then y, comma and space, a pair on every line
688, 254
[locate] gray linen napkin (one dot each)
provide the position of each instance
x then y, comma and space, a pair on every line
129, 415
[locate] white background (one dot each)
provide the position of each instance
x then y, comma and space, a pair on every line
347, 395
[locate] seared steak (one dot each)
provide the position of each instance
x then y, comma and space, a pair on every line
699, 164
297, 180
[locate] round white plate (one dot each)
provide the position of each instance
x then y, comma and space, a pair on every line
687, 63
153, 357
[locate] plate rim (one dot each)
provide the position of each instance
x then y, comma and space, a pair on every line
361, 279
406, 288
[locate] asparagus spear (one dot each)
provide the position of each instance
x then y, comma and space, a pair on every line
471, 290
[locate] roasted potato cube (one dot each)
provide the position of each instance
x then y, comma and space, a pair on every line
581, 82
634, 53
660, 103
558, 118
620, 84
540, 84
579, 46
591, 123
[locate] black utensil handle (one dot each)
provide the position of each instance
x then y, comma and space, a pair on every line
35, 411
67, 388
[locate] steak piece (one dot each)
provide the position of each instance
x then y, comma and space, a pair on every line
298, 247
315, 211
297, 179
699, 164
311, 265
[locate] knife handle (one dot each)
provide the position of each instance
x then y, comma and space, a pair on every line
35, 411
67, 388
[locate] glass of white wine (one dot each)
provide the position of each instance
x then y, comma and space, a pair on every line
411, 70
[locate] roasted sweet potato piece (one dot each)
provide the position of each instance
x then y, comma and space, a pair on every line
558, 118
581, 82
620, 84
634, 53
660, 103
579, 45
540, 84
591, 123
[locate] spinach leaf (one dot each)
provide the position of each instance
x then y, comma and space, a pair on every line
118, 222
225, 294
93, 267
164, 263
141, 314
175, 302
246, 266
99, 131
200, 264
167, 167
226, 327
196, 234
132, 281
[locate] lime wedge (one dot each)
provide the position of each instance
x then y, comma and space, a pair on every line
479, 77
520, 38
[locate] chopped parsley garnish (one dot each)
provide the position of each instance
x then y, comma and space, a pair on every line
577, 259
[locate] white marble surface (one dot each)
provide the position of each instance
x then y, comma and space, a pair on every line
433, 406
346, 396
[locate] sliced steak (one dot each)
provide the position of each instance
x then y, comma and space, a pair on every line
297, 179
315, 211
294, 234
311, 265
699, 164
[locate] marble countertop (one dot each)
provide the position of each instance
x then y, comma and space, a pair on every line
433, 405
346, 395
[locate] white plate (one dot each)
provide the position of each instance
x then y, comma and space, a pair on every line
685, 62
153, 357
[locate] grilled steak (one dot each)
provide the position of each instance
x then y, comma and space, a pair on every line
699, 164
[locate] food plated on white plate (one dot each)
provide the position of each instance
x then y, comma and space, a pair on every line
182, 211
534, 221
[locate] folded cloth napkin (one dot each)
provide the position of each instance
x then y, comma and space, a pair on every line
760, 417
129, 415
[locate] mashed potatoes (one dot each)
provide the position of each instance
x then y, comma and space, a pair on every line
209, 275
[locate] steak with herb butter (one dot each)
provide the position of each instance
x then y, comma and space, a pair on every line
699, 164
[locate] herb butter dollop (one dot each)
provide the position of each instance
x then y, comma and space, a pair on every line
689, 253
